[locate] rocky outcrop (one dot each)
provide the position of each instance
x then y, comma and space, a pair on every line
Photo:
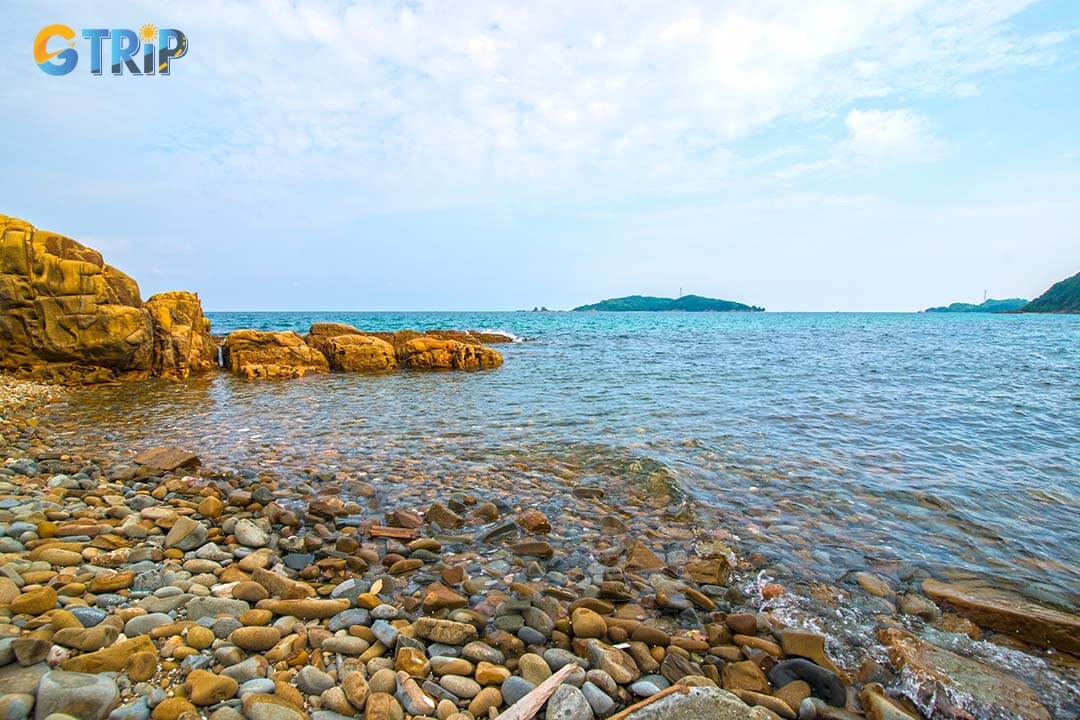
1011, 614
182, 344
948, 685
350, 349
260, 355
359, 353
398, 338
320, 332
67, 316
428, 353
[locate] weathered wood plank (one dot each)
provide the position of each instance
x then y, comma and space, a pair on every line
527, 707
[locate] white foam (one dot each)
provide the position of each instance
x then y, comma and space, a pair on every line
504, 333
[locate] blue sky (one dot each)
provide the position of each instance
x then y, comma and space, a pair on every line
836, 155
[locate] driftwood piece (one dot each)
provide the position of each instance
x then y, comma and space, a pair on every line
649, 701
530, 704
393, 532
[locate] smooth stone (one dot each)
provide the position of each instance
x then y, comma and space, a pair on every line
136, 710
15, 678
270, 707
249, 669
258, 685
30, 650
143, 624
478, 651
530, 636
568, 703
313, 681
298, 561
85, 696
557, 659
446, 665
462, 687
207, 688
348, 618
533, 668
255, 639
386, 633
16, 706
250, 534
88, 616
823, 683
345, 645
539, 621
384, 612
644, 688
212, 607
598, 700
514, 688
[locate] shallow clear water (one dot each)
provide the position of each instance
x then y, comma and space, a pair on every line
829, 442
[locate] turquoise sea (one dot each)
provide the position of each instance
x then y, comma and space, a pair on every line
904, 444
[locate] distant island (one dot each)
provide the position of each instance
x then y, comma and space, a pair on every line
987, 306
1062, 297
686, 303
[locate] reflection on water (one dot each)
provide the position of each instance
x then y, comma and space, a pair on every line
832, 442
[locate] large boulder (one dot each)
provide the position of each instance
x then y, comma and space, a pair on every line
182, 342
359, 353
260, 355
67, 316
428, 353
320, 332
64, 313
349, 350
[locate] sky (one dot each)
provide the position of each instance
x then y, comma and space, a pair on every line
856, 155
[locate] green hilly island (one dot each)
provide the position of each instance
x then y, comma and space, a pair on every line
686, 303
1062, 297
987, 306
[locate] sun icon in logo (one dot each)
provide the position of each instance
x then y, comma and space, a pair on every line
148, 32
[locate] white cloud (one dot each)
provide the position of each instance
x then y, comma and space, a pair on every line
458, 102
896, 135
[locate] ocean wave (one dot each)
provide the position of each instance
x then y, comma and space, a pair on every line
504, 333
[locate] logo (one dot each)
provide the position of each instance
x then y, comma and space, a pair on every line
146, 52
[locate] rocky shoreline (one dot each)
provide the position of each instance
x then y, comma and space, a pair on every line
137, 583
66, 316
149, 586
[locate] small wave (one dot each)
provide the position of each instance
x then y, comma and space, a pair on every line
504, 333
